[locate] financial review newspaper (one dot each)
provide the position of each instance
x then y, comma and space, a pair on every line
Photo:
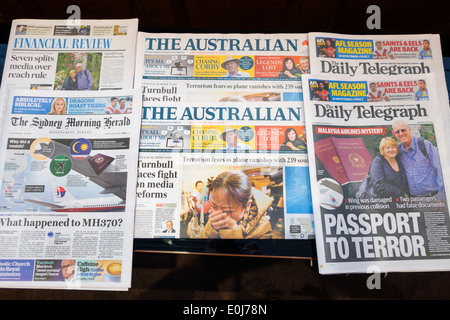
215, 106
377, 173
68, 171
93, 55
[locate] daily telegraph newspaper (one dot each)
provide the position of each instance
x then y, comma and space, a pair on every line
56, 55
381, 55
221, 67
199, 89
68, 171
228, 170
377, 178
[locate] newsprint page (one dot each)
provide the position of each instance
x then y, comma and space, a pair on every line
56, 55
68, 173
384, 55
222, 113
377, 176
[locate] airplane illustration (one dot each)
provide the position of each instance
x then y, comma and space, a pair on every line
65, 202
94, 168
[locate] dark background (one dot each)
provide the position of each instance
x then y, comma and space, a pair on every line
178, 276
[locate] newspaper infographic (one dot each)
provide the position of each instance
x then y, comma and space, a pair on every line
217, 104
94, 55
384, 55
228, 170
68, 171
377, 175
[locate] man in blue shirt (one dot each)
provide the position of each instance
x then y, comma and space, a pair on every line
422, 93
423, 169
426, 53
84, 78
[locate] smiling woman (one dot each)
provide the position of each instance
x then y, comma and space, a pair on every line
388, 174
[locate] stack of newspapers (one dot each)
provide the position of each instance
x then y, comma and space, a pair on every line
110, 134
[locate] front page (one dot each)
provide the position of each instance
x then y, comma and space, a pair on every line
199, 89
382, 55
55, 55
68, 173
377, 175
184, 148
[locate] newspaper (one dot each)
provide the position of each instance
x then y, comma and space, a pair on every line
184, 148
193, 67
68, 171
199, 89
385, 55
374, 210
55, 55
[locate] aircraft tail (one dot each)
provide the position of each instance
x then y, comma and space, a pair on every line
61, 194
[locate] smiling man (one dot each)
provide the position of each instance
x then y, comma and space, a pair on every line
421, 161
232, 66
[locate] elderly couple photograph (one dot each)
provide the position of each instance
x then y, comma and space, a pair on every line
407, 166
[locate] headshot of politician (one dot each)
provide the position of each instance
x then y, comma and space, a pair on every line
238, 210
58, 106
304, 65
421, 161
387, 173
169, 227
230, 136
68, 269
232, 66
84, 78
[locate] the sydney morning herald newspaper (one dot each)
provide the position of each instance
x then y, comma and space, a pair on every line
218, 105
384, 55
61, 55
377, 174
68, 172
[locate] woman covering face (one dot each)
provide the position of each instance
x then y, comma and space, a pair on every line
232, 208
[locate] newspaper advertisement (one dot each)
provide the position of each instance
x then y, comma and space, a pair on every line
197, 90
228, 170
247, 57
94, 55
221, 67
377, 175
68, 173
384, 55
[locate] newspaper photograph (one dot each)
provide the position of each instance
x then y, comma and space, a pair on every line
55, 55
228, 170
381, 55
68, 172
377, 179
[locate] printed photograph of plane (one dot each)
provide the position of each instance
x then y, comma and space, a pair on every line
94, 168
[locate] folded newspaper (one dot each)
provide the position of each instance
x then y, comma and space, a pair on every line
377, 173
68, 170
384, 55
222, 107
58, 55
